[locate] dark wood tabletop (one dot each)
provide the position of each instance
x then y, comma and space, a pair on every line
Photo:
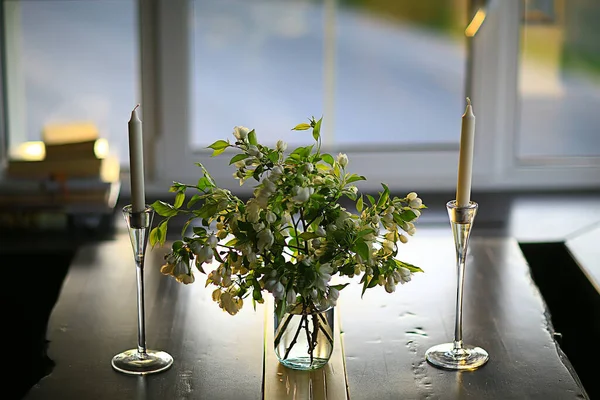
385, 336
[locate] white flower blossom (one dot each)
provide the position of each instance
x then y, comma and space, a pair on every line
276, 288
301, 194
265, 239
270, 217
411, 196
253, 150
290, 297
212, 241
333, 295
415, 203
240, 132
342, 159
229, 303
405, 275
281, 146
324, 277
268, 186
185, 278
205, 255
215, 276
389, 218
308, 167
388, 246
252, 211
276, 172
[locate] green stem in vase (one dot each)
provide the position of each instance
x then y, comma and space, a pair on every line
287, 352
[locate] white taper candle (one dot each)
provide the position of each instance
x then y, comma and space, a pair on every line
465, 161
136, 163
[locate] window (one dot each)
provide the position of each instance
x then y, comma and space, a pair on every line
387, 77
559, 83
71, 61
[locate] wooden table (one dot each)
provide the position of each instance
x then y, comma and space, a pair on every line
384, 336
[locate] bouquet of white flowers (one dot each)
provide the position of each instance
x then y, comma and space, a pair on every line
292, 235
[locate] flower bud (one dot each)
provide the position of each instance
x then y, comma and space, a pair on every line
281, 145
415, 203
411, 196
403, 238
212, 241
253, 150
240, 132
342, 159
270, 217
290, 297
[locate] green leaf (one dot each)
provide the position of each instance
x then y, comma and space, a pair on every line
371, 199
408, 215
361, 248
328, 158
238, 157
252, 137
383, 197
273, 157
359, 204
199, 231
217, 152
301, 127
195, 198
317, 130
410, 267
162, 232
308, 235
354, 178
219, 145
365, 232
153, 237
365, 285
179, 199
185, 226
164, 209
340, 287
203, 183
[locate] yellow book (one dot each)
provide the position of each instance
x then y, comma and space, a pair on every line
69, 133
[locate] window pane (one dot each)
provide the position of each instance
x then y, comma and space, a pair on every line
400, 71
257, 64
387, 72
560, 79
78, 62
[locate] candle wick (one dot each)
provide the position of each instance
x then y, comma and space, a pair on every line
468, 101
136, 107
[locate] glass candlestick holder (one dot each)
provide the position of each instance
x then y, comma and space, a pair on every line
140, 361
457, 355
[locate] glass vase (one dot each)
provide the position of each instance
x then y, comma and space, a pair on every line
303, 337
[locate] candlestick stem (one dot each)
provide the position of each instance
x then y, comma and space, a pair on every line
140, 361
456, 355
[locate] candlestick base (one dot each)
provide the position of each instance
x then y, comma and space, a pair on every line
135, 363
448, 356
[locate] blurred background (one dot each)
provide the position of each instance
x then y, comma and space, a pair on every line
389, 77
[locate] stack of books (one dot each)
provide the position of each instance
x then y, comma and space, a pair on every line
70, 172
